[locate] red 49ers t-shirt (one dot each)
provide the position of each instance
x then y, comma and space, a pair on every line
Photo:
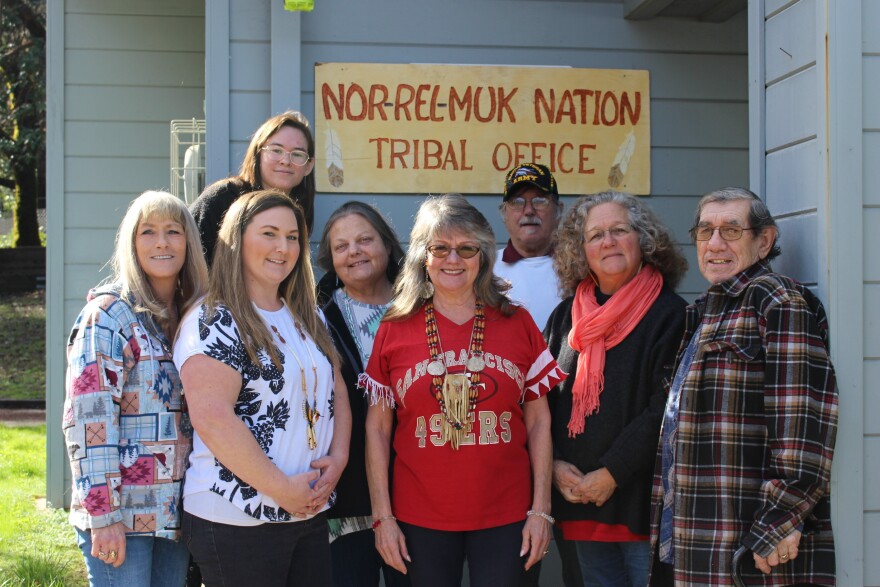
487, 481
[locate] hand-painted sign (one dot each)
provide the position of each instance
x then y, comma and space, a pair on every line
386, 128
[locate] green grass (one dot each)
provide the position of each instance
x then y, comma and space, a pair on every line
23, 346
37, 545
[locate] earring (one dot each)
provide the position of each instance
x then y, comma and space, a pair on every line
427, 290
593, 277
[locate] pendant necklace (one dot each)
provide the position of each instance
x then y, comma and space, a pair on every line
310, 411
456, 393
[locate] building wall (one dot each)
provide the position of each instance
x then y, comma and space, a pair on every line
812, 159
118, 72
870, 68
791, 135
698, 74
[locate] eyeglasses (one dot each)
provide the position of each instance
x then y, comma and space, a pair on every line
616, 232
464, 251
277, 154
728, 233
519, 203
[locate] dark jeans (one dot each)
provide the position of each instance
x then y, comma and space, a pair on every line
614, 564
356, 563
269, 555
438, 556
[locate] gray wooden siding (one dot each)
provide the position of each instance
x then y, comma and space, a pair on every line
790, 134
119, 71
126, 70
129, 70
815, 158
871, 252
698, 82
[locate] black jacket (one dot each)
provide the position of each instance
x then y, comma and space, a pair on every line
352, 491
623, 434
210, 208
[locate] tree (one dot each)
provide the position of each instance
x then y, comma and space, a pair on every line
23, 112
98, 408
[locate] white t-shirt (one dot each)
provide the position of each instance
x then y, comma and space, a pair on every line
270, 403
535, 285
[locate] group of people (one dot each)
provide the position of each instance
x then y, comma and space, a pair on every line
406, 415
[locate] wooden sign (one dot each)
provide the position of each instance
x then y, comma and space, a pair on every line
392, 128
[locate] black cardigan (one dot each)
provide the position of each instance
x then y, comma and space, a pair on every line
623, 434
352, 491
211, 206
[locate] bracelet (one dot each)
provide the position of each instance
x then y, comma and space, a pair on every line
378, 522
547, 517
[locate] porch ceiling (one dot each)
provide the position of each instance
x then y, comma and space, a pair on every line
705, 10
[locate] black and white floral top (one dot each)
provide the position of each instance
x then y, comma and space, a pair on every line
270, 403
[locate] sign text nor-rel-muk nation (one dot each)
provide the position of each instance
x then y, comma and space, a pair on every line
392, 128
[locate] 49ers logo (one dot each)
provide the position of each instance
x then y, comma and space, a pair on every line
491, 428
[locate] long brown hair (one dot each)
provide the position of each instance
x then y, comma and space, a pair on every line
304, 193
227, 285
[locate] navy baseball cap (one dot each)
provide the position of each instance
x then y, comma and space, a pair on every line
532, 173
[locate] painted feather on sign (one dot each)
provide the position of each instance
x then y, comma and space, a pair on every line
333, 155
621, 161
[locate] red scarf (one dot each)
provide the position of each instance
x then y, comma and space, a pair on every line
595, 329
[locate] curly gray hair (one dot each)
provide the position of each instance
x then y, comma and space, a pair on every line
655, 242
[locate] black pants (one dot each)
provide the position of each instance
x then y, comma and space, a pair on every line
438, 556
571, 566
356, 562
269, 555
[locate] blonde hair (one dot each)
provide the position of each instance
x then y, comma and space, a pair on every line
227, 284
128, 273
438, 215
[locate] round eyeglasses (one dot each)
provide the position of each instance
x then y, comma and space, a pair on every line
728, 233
464, 251
277, 154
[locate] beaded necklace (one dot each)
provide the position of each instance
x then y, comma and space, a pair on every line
310, 411
456, 394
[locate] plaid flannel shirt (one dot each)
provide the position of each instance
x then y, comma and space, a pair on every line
756, 432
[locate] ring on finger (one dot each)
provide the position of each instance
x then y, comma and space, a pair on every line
112, 555
783, 556
101, 554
